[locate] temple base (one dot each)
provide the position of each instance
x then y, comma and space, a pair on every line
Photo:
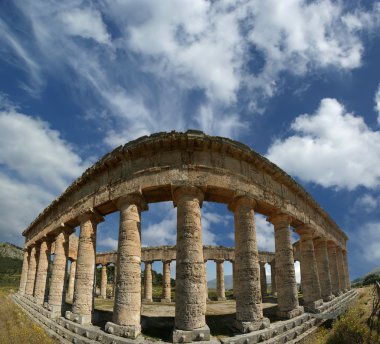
126, 331
250, 326
290, 314
82, 319
196, 335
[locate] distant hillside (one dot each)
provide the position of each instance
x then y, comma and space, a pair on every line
375, 271
10, 264
10, 251
228, 283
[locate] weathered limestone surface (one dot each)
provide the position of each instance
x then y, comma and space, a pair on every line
148, 282
190, 306
333, 265
273, 277
166, 286
341, 269
263, 280
127, 305
249, 313
42, 272
287, 295
24, 273
321, 256
220, 290
58, 276
346, 273
29, 289
70, 288
311, 289
83, 303
103, 282
206, 286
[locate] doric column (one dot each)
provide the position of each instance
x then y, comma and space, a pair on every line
333, 265
220, 290
83, 304
148, 282
287, 295
29, 290
24, 272
42, 272
206, 286
127, 303
311, 289
190, 307
114, 281
346, 273
166, 285
247, 290
234, 283
57, 295
321, 256
273, 276
263, 280
341, 270
70, 288
103, 282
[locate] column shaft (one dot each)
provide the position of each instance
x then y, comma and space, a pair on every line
321, 256
24, 272
42, 272
206, 286
346, 273
220, 289
263, 280
249, 312
148, 282
287, 295
58, 277
341, 270
190, 306
70, 288
103, 282
273, 277
333, 265
166, 285
29, 290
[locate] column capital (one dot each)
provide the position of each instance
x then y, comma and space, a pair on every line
166, 261
321, 241
262, 263
331, 244
148, 262
90, 215
241, 200
135, 198
280, 218
179, 191
219, 260
305, 231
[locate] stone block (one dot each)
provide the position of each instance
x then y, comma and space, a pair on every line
196, 335
290, 314
78, 318
246, 327
127, 331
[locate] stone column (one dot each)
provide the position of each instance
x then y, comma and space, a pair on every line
247, 290
321, 256
166, 286
190, 307
70, 288
220, 290
263, 280
287, 295
103, 282
83, 304
24, 272
273, 277
333, 265
42, 272
148, 282
206, 286
114, 281
57, 295
29, 289
127, 303
341, 270
346, 273
234, 283
311, 289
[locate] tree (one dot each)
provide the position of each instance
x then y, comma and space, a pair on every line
371, 279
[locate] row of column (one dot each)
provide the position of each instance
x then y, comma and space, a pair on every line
191, 286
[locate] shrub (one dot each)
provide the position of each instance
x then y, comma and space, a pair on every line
371, 279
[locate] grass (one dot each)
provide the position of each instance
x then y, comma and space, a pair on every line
15, 326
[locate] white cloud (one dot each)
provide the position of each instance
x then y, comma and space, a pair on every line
264, 233
332, 147
108, 242
366, 202
86, 23
369, 242
377, 103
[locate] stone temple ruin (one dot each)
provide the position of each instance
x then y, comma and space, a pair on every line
188, 169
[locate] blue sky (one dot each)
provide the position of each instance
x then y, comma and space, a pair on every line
297, 81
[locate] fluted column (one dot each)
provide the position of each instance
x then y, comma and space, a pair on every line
148, 282
29, 289
346, 273
24, 272
247, 289
190, 307
103, 282
206, 286
83, 303
234, 283
220, 289
127, 303
70, 288
333, 265
114, 281
341, 270
287, 295
166, 285
263, 280
42, 272
273, 277
311, 289
57, 295
321, 256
